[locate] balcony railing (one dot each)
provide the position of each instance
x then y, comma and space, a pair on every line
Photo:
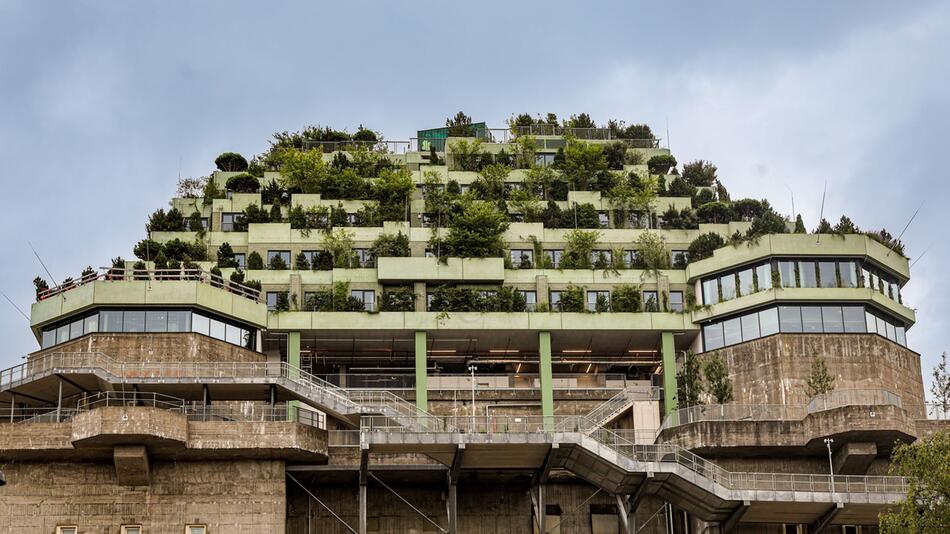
488, 381
385, 147
113, 274
601, 134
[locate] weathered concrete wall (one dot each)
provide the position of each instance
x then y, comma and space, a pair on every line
773, 370
245, 497
158, 347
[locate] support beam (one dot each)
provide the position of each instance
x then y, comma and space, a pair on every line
73, 384
541, 476
669, 372
452, 477
731, 522
364, 478
547, 386
293, 362
623, 510
422, 383
273, 395
823, 521
205, 394
59, 401
540, 510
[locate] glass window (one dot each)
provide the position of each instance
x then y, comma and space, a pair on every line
768, 322
602, 218
712, 336
786, 272
650, 302
849, 273
232, 334
853, 318
49, 338
367, 297
727, 285
763, 275
196, 529
178, 321
890, 331
601, 257
62, 334
832, 320
200, 324
901, 335
828, 274
676, 301
283, 254
522, 258
555, 256
91, 323
227, 221
593, 297
895, 291
811, 319
272, 300
807, 274
241, 259
555, 300
679, 259
110, 321
75, 329
790, 318
711, 291
156, 321
870, 322
746, 287
530, 299
133, 321
630, 257
881, 326
732, 331
131, 530
67, 530
364, 257
217, 329
750, 326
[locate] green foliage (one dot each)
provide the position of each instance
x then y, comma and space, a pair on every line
301, 171
679, 187
651, 251
703, 246
159, 221
717, 379
582, 164
398, 299
631, 195
211, 191
626, 298
616, 155
819, 381
747, 209
940, 386
392, 190
254, 261
661, 164
301, 263
314, 217
700, 173
389, 245
366, 135
572, 299
275, 214
460, 125
885, 238
226, 256
634, 131
684, 219
703, 196
585, 216
273, 193
231, 162
577, 249
689, 382
768, 222
463, 299
194, 223
467, 155
147, 249
799, 225
824, 227
490, 183
339, 244
40, 285
715, 213
476, 231
277, 263
926, 508
251, 214
580, 121
243, 183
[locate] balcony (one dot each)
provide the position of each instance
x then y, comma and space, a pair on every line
432, 270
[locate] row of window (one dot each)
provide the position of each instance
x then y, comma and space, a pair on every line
148, 321
829, 319
824, 273
524, 258
134, 529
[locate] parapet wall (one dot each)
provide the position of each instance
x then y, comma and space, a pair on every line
157, 347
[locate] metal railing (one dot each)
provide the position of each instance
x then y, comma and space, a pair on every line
484, 381
657, 453
315, 389
382, 146
600, 134
621, 401
780, 412
115, 274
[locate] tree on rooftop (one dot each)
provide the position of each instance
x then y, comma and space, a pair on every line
824, 227
580, 121
926, 508
703, 246
846, 226
392, 190
366, 135
581, 163
799, 225
226, 256
254, 261
700, 173
231, 162
679, 187
476, 231
768, 222
940, 387
460, 125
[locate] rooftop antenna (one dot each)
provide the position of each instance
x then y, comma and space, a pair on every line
668, 132
43, 264
922, 254
792, 193
897, 240
821, 215
25, 316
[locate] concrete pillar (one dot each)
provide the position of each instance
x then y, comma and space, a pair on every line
296, 291
419, 288
293, 361
547, 386
451, 505
362, 520
541, 289
669, 372
422, 362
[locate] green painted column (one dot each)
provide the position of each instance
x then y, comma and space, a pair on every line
547, 387
293, 360
669, 372
422, 361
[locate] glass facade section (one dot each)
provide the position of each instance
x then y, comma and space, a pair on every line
727, 286
827, 274
746, 285
807, 276
711, 291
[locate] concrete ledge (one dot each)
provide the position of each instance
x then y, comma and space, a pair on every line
115, 425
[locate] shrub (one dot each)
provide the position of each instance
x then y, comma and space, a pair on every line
626, 298
146, 249
254, 261
277, 263
678, 187
275, 214
194, 222
392, 190
572, 299
700, 173
398, 299
616, 155
253, 284
273, 193
251, 214
747, 208
476, 231
702, 197
577, 249
300, 262
768, 222
460, 125
661, 164
226, 256
179, 250
364, 134
703, 246
388, 245
230, 162
40, 285
283, 302
581, 163
586, 216
715, 212
243, 183
159, 221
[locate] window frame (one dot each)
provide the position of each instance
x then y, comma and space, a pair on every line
125, 529
361, 295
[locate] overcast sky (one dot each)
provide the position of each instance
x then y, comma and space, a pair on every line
103, 105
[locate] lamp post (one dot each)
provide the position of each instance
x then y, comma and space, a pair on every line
471, 369
831, 465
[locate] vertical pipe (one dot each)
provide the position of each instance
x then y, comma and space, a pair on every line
547, 388
362, 508
542, 510
422, 387
293, 362
669, 373
12, 405
59, 401
452, 505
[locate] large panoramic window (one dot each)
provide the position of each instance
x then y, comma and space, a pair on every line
149, 321
826, 319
